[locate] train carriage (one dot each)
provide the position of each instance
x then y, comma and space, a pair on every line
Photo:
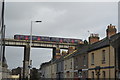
46, 38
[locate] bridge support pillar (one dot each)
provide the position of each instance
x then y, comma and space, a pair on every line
26, 61
56, 52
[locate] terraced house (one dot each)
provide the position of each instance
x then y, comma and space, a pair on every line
69, 66
81, 62
48, 70
60, 68
93, 59
102, 55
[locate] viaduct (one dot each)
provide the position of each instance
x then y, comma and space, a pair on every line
39, 44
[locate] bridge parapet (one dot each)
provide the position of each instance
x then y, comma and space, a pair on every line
44, 44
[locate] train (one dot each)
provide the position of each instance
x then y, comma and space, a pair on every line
46, 38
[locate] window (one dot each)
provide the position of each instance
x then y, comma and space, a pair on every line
76, 62
103, 75
92, 59
84, 61
21, 37
71, 64
76, 59
103, 56
65, 66
34, 38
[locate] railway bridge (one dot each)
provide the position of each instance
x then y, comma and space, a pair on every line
39, 44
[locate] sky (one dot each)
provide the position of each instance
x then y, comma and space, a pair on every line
59, 19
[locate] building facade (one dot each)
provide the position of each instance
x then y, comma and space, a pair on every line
81, 63
69, 65
60, 68
115, 40
101, 56
102, 62
53, 70
98, 59
48, 70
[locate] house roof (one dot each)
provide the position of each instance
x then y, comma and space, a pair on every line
89, 47
115, 37
104, 42
100, 44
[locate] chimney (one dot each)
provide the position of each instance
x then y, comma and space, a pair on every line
58, 55
111, 30
93, 38
71, 49
64, 53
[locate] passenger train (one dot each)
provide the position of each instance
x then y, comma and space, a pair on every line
45, 38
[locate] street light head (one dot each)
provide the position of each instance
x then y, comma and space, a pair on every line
38, 21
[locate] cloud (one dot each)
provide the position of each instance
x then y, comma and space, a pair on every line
59, 19
62, 0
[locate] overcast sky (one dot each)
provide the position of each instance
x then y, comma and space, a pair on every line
59, 19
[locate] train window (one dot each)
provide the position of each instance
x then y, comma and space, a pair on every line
42, 38
34, 38
57, 39
21, 37
67, 40
52, 39
16, 37
47, 39
76, 41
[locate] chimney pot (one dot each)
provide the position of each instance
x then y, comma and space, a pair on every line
111, 30
93, 38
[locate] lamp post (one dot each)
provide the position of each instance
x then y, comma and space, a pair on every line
31, 45
31, 33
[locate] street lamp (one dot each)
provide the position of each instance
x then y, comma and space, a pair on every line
31, 33
31, 45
